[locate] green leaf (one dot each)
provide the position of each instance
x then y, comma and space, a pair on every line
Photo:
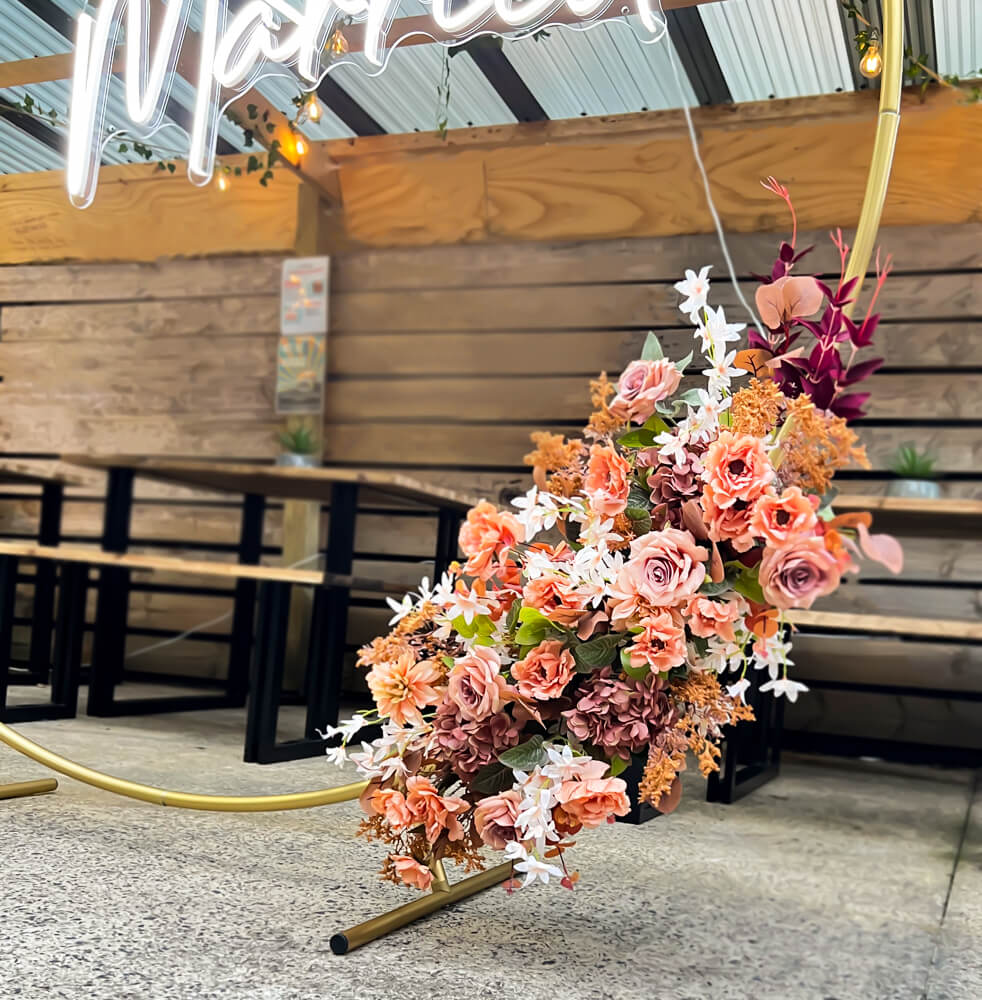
690, 396
684, 363
652, 349
525, 756
748, 585
532, 633
123, 148
252, 111
637, 439
161, 166
637, 673
655, 424
492, 779
171, 167
711, 589
640, 520
596, 653
617, 766
447, 661
270, 127
238, 171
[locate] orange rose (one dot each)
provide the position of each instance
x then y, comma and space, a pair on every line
779, 520
736, 467
606, 483
401, 688
660, 646
594, 801
486, 535
435, 811
545, 671
708, 617
411, 871
728, 524
391, 804
556, 599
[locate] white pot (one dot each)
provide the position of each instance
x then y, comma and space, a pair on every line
292, 458
917, 489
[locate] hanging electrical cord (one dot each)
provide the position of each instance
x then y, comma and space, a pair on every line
717, 222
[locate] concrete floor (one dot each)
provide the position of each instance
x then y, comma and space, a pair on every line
835, 882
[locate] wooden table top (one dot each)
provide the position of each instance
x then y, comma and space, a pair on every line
944, 506
15, 474
286, 482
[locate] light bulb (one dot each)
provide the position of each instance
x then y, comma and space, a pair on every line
313, 109
871, 63
223, 182
337, 44
301, 146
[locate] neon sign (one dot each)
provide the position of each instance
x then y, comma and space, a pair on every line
269, 38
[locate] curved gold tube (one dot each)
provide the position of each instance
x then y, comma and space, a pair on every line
884, 143
179, 800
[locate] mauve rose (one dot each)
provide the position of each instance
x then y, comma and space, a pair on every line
494, 818
796, 574
641, 385
476, 686
545, 671
665, 567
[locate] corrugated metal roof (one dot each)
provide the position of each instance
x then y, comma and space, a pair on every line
770, 48
958, 36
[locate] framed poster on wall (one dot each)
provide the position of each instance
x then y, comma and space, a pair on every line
301, 360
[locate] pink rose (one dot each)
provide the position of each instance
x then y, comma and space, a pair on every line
665, 568
391, 804
641, 385
708, 618
494, 819
660, 646
476, 686
545, 671
795, 575
780, 520
591, 802
411, 871
606, 484
736, 467
788, 298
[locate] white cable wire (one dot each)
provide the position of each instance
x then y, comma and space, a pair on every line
693, 138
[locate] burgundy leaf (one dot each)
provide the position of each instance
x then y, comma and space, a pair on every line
850, 406
864, 335
863, 370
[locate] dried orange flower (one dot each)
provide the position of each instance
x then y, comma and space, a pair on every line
757, 407
602, 422
815, 444
553, 452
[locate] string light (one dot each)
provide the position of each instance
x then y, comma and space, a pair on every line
871, 61
222, 182
313, 108
300, 146
337, 44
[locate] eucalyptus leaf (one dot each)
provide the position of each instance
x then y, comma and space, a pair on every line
596, 653
748, 585
617, 766
684, 363
652, 349
526, 756
711, 589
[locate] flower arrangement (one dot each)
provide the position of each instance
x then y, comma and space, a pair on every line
622, 607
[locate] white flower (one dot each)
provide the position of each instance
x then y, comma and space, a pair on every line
442, 593
538, 871
345, 729
695, 288
401, 608
596, 533
538, 512
719, 330
673, 446
739, 689
722, 369
337, 755
785, 686
464, 603
563, 764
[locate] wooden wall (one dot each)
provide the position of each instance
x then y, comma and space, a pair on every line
442, 361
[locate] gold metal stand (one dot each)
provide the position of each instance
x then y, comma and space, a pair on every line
441, 895
179, 800
20, 789
884, 143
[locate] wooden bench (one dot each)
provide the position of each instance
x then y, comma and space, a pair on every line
275, 583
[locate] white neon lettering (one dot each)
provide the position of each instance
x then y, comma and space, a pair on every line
262, 37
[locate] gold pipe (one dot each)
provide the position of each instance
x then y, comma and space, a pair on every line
355, 937
884, 144
179, 800
19, 789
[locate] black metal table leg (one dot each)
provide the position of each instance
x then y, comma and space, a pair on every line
641, 812
267, 673
243, 615
8, 597
43, 610
448, 528
112, 606
69, 633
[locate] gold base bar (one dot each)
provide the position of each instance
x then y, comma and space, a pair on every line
377, 927
179, 800
20, 789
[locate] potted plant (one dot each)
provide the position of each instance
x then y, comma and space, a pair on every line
299, 447
915, 472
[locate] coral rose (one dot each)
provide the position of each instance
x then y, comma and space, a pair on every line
591, 802
736, 467
665, 568
641, 385
475, 684
790, 297
708, 618
545, 671
435, 811
660, 646
494, 819
411, 871
391, 804
403, 687
606, 484
728, 524
783, 519
486, 535
556, 599
795, 575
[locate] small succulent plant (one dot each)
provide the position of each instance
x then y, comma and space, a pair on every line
297, 440
909, 463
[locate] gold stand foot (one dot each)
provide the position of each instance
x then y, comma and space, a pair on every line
377, 927
19, 789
